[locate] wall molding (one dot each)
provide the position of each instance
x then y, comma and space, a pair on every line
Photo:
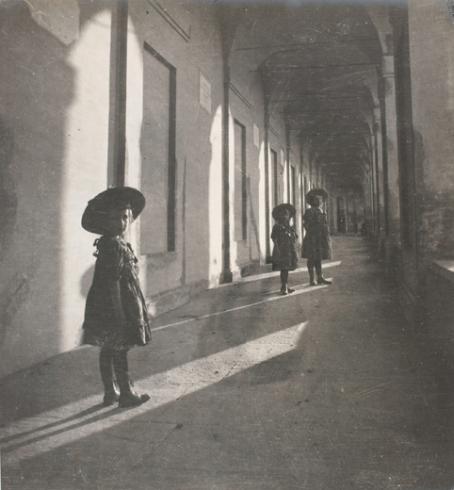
184, 32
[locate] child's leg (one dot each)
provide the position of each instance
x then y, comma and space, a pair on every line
128, 398
284, 280
318, 269
320, 278
310, 268
107, 376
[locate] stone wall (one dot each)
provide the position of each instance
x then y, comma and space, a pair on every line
432, 73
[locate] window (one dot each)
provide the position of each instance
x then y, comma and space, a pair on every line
240, 182
158, 153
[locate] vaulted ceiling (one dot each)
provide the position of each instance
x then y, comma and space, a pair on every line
319, 69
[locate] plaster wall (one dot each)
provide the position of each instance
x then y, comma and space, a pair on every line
432, 77
187, 38
247, 107
54, 116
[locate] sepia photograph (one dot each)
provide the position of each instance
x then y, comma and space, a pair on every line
226, 244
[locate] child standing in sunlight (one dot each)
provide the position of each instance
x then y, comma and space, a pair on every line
116, 317
284, 237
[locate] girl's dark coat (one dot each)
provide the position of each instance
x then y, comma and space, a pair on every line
284, 253
116, 263
316, 243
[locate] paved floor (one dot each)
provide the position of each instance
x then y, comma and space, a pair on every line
326, 389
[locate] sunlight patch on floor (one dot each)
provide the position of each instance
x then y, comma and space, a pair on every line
299, 289
267, 275
36, 435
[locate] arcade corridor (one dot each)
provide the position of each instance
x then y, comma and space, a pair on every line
217, 111
328, 389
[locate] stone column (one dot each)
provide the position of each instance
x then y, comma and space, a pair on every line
267, 178
226, 269
373, 185
387, 96
378, 147
287, 158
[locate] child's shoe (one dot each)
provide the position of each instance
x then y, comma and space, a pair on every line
128, 397
322, 280
132, 399
110, 398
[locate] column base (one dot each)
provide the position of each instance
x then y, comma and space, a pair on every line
226, 277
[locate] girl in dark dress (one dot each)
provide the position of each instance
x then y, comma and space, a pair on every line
116, 317
316, 243
284, 237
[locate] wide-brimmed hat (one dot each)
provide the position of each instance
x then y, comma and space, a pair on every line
93, 219
316, 193
281, 208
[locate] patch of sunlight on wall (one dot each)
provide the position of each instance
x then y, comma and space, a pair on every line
85, 168
271, 191
134, 119
285, 177
233, 243
215, 200
262, 203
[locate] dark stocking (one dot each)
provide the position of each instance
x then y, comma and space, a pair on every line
318, 269
128, 397
284, 280
320, 278
107, 376
310, 268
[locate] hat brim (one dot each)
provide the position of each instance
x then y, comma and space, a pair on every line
94, 216
280, 208
316, 193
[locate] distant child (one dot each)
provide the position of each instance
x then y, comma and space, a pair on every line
316, 243
116, 317
284, 237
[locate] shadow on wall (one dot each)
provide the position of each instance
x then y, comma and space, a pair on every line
253, 219
8, 198
436, 222
86, 280
42, 136
8, 204
36, 89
